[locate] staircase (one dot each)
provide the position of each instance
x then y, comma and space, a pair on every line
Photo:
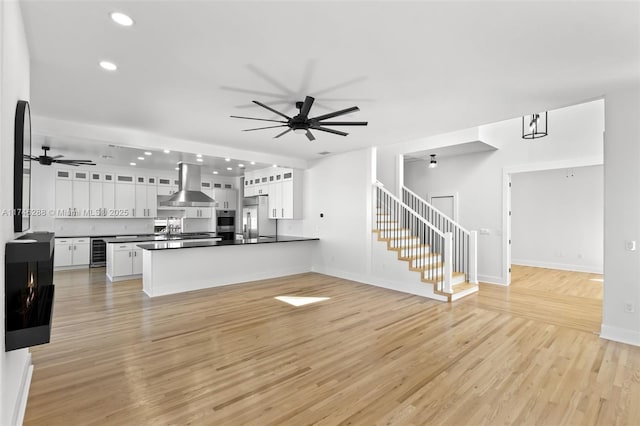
433, 245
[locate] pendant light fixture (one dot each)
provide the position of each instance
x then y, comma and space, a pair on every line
433, 163
534, 126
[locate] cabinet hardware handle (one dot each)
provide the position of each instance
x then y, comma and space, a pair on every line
75, 247
129, 254
69, 247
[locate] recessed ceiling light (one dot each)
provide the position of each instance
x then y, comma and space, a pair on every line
132, 164
199, 159
166, 151
227, 159
199, 155
240, 165
253, 163
229, 168
109, 66
147, 153
122, 19
177, 168
215, 172
140, 158
275, 165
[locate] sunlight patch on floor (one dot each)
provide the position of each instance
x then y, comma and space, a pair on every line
300, 301
600, 280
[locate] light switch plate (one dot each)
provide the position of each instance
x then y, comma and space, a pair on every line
630, 245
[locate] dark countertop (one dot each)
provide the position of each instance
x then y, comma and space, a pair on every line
162, 237
164, 245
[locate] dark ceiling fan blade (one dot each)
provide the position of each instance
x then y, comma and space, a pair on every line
259, 119
261, 128
30, 157
83, 162
342, 123
283, 133
335, 132
335, 114
271, 109
310, 136
57, 156
306, 107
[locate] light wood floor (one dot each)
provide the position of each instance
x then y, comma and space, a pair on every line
234, 355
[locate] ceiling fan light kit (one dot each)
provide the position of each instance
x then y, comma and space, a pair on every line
302, 123
433, 163
534, 126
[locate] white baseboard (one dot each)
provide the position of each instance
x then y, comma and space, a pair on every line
561, 266
422, 290
491, 279
622, 335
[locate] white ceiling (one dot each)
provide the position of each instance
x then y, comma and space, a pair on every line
463, 148
415, 69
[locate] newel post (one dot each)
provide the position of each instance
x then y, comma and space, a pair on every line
473, 257
448, 262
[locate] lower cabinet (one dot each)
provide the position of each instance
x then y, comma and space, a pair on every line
71, 252
123, 261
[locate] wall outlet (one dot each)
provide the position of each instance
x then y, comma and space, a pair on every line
485, 231
629, 307
630, 245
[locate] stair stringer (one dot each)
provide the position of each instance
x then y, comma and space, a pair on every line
393, 274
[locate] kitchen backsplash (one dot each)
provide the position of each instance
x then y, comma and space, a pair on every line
87, 227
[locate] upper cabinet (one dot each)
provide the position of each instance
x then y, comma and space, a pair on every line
72, 193
282, 185
225, 196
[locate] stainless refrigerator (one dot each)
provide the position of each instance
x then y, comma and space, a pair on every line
255, 218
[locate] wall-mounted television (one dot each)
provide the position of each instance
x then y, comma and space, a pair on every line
22, 168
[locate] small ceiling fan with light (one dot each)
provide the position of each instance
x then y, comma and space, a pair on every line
302, 123
47, 160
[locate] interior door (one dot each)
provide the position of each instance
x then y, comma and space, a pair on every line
446, 204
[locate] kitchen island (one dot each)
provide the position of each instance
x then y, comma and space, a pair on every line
171, 267
124, 257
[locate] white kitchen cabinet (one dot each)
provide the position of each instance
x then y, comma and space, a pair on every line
146, 197
136, 267
226, 199
72, 193
71, 252
152, 198
125, 201
109, 193
96, 194
285, 195
124, 261
64, 197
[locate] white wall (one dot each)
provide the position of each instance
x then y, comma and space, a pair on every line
622, 214
557, 219
14, 85
575, 134
339, 187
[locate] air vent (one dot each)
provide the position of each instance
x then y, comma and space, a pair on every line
324, 153
107, 157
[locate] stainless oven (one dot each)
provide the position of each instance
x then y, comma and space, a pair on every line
226, 224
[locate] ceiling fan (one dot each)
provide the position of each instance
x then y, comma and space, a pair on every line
301, 123
46, 160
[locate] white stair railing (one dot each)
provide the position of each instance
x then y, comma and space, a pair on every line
393, 218
464, 242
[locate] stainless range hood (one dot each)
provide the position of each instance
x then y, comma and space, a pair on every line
189, 189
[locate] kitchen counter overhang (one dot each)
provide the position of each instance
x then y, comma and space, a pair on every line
166, 269
180, 244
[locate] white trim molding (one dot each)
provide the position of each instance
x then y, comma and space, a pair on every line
622, 335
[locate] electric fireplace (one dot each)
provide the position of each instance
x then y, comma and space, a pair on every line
29, 290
